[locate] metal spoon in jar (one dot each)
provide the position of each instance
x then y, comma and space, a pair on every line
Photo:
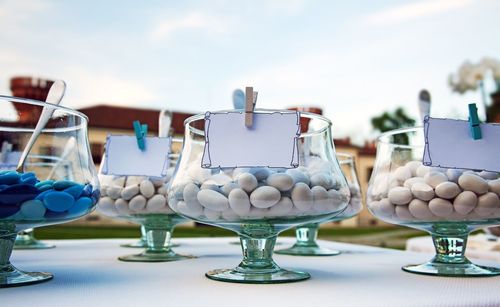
55, 95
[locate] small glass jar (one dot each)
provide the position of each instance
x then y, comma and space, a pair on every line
260, 202
57, 184
307, 234
447, 203
143, 200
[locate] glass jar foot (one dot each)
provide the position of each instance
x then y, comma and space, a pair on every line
12, 277
450, 242
306, 244
148, 256
298, 250
27, 240
452, 270
277, 276
158, 247
257, 266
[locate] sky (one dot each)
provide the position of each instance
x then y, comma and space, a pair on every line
355, 59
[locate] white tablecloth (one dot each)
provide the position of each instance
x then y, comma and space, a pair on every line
478, 247
87, 273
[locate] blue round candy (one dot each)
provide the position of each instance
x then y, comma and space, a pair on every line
45, 187
29, 180
18, 193
33, 209
10, 177
81, 206
75, 190
46, 182
28, 175
63, 184
58, 201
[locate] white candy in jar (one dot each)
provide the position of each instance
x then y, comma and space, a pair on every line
436, 193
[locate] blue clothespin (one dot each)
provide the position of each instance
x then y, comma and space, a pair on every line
140, 133
474, 122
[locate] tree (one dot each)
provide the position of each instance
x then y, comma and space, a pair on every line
390, 121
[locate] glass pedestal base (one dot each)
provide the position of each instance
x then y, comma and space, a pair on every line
143, 244
148, 256
298, 250
450, 242
256, 277
12, 277
452, 270
26, 240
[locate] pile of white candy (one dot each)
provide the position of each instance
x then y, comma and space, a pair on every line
355, 204
415, 192
125, 196
256, 193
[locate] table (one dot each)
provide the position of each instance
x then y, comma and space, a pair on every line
478, 247
87, 273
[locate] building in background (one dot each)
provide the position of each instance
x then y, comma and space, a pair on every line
107, 119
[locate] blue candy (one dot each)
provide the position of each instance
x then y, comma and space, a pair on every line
10, 177
18, 193
58, 201
46, 182
33, 209
3, 186
81, 206
63, 184
45, 187
28, 175
75, 190
29, 180
87, 190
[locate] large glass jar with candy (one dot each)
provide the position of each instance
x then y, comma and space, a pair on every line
259, 202
40, 192
448, 203
143, 200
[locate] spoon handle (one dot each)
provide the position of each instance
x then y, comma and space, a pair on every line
55, 95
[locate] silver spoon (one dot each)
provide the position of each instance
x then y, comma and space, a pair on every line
55, 95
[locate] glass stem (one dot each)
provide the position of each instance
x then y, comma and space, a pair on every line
144, 237
307, 235
6, 245
450, 245
258, 255
158, 239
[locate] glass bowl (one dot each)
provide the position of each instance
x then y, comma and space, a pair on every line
447, 203
143, 200
260, 202
307, 234
44, 193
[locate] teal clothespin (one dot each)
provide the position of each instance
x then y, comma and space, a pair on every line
140, 133
474, 122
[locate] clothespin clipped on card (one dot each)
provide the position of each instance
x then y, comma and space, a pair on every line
250, 101
140, 133
474, 122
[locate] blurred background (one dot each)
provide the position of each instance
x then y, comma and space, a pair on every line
362, 64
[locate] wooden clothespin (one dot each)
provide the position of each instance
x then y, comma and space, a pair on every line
474, 122
250, 101
140, 133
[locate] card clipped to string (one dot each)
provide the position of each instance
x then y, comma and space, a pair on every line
462, 144
269, 140
124, 157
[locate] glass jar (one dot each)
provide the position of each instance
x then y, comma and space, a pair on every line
307, 234
260, 202
143, 200
447, 203
44, 193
